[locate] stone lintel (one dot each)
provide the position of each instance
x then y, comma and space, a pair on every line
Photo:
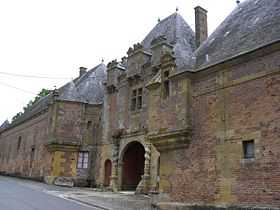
63, 147
172, 140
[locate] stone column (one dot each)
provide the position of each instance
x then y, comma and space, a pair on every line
114, 178
144, 186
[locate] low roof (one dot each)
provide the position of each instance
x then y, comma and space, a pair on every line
87, 89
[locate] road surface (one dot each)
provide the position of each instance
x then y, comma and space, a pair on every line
17, 195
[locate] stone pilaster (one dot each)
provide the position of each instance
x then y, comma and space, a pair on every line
114, 178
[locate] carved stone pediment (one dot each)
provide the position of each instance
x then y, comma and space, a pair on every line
173, 140
167, 60
118, 133
158, 40
112, 64
155, 81
134, 71
132, 50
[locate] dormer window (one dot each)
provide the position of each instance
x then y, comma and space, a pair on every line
136, 99
166, 84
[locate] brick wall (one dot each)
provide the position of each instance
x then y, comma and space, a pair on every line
230, 106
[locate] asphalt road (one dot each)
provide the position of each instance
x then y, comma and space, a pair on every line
15, 195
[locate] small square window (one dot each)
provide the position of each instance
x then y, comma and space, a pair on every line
249, 149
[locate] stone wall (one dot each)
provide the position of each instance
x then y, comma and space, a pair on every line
22, 148
231, 105
47, 145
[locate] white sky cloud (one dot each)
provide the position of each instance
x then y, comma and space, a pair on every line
55, 37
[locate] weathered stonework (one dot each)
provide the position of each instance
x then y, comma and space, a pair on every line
174, 120
50, 142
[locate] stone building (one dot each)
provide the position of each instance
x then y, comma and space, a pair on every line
195, 119
55, 137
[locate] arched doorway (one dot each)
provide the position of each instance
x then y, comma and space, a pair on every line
108, 172
133, 165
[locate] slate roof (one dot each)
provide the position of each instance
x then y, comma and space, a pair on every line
253, 23
88, 88
4, 125
178, 33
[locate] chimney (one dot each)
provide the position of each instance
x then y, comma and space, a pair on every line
83, 70
201, 28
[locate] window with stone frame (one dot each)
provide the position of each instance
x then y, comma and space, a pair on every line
19, 143
136, 99
83, 160
248, 149
32, 156
89, 124
139, 98
166, 85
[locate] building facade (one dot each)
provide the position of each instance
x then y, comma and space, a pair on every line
195, 119
199, 114
54, 140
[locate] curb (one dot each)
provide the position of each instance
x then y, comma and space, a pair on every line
88, 203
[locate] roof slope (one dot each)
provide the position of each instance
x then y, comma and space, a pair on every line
254, 23
178, 33
4, 125
88, 88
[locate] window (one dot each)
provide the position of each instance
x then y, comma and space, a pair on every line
166, 85
19, 143
89, 124
133, 100
82, 160
139, 99
32, 156
249, 149
136, 99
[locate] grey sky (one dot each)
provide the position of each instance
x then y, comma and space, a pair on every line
54, 37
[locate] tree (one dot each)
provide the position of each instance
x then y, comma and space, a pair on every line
44, 92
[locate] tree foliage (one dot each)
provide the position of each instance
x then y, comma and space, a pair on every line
44, 92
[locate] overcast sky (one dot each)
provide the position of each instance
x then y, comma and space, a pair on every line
54, 38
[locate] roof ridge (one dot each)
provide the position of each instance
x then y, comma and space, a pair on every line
84, 76
166, 18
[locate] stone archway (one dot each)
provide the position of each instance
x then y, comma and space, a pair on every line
107, 172
133, 162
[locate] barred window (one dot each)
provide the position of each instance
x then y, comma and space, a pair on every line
249, 149
83, 160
